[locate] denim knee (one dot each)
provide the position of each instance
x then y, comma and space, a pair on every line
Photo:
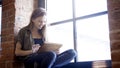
71, 52
48, 60
51, 54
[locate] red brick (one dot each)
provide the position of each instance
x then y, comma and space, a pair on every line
18, 64
116, 65
8, 54
113, 5
8, 13
8, 10
11, 12
7, 44
5, 2
12, 18
116, 56
4, 39
4, 14
9, 64
115, 15
115, 44
2, 65
2, 59
11, 24
11, 5
115, 25
7, 31
4, 20
11, 35
115, 36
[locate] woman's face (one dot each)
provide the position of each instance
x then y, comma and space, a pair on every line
39, 22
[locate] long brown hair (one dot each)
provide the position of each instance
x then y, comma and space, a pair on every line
37, 13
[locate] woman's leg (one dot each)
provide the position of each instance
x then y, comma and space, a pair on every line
29, 62
43, 60
47, 59
64, 58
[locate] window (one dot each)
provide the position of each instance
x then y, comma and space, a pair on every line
60, 33
81, 25
93, 39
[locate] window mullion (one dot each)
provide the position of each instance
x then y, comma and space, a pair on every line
74, 28
41, 3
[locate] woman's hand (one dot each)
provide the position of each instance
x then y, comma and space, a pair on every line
35, 48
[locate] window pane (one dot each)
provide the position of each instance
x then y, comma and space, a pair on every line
93, 39
59, 10
61, 33
86, 7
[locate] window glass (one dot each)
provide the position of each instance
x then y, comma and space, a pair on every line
86, 7
92, 33
93, 39
63, 34
59, 10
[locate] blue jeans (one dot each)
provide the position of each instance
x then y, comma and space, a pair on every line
49, 59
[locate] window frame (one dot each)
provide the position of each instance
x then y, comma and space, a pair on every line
73, 19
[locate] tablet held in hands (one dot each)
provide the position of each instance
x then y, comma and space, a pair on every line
50, 47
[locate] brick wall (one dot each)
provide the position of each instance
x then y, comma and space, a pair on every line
15, 15
114, 23
8, 17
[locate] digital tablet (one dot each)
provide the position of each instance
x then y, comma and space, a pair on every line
50, 47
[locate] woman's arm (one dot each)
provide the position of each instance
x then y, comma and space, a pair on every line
19, 52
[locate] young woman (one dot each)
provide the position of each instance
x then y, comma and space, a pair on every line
31, 37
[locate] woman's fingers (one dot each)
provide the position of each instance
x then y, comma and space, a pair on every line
35, 48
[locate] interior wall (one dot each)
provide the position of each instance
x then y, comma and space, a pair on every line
7, 32
15, 15
114, 23
22, 13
